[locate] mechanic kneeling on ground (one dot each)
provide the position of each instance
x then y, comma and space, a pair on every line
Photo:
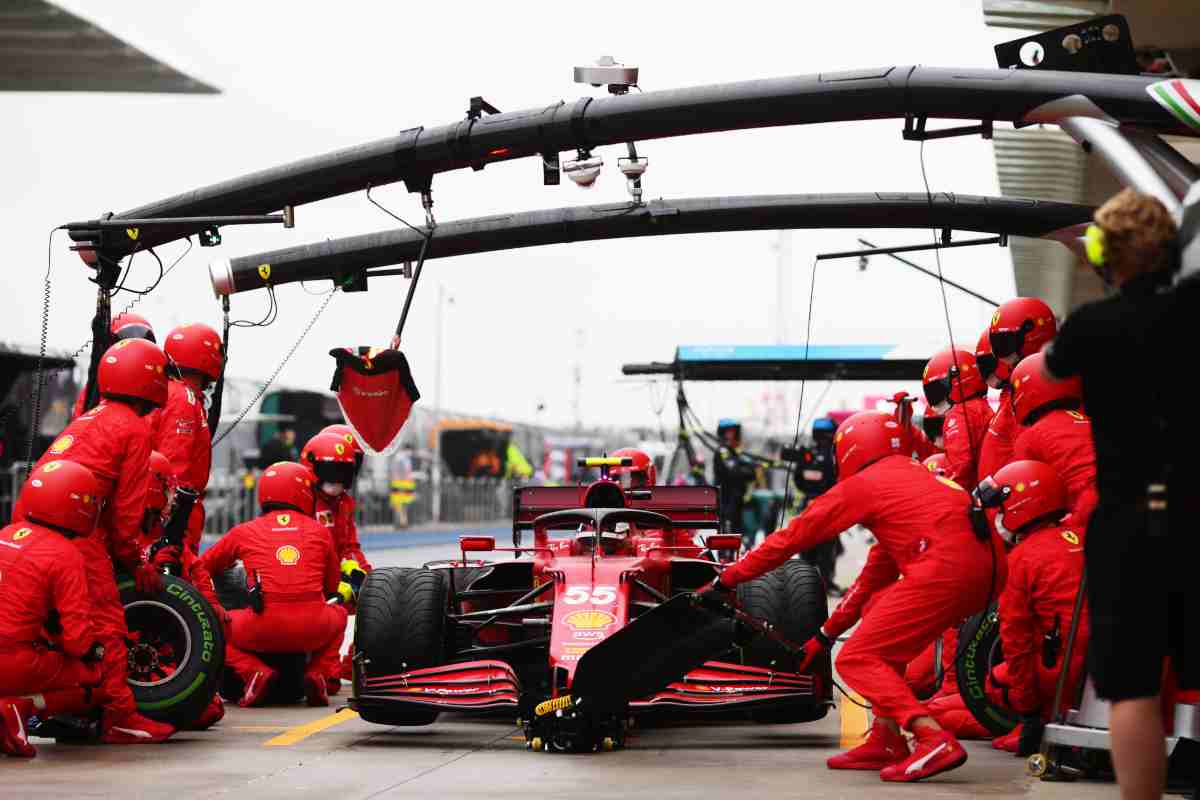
112, 441
292, 568
1141, 555
48, 647
1045, 568
924, 534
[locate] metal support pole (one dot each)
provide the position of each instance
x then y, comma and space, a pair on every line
1179, 173
1119, 153
437, 407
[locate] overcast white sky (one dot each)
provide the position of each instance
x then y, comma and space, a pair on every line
301, 79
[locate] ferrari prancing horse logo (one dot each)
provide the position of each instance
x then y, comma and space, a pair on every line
21, 534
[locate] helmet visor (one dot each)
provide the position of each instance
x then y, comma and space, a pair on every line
937, 392
335, 472
987, 364
990, 494
1006, 343
933, 426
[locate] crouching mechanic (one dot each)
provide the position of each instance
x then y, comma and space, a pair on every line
924, 534
1045, 568
112, 441
289, 558
44, 588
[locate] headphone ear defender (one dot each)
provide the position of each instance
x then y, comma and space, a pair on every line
1093, 241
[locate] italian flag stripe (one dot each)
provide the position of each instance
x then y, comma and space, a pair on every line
1173, 96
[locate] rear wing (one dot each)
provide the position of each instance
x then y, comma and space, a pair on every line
686, 506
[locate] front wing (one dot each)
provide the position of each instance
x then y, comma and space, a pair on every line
470, 686
719, 686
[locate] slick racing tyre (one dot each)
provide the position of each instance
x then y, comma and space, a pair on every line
176, 650
978, 653
791, 598
400, 625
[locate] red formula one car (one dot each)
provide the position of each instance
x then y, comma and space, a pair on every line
590, 625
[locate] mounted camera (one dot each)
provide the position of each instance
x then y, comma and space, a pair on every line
584, 169
607, 72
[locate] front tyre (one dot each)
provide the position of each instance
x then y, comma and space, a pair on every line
176, 650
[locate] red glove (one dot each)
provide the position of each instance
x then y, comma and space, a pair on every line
997, 691
166, 557
818, 644
148, 579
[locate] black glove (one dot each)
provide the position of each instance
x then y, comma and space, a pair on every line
715, 594
94, 654
1030, 740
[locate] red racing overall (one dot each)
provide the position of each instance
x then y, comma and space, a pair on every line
923, 533
1063, 439
964, 433
113, 442
337, 515
1001, 437
295, 562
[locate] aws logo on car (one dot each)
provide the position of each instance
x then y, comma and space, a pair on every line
288, 555
589, 620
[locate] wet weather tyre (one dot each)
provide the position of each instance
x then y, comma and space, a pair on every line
791, 598
978, 653
230, 587
176, 650
400, 625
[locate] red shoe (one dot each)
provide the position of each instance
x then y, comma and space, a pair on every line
256, 688
314, 690
935, 752
133, 728
332, 686
1009, 741
14, 736
213, 714
882, 748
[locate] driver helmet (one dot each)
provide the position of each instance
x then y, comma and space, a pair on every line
611, 542
641, 475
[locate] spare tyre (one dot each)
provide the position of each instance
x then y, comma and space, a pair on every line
231, 590
400, 625
792, 598
176, 650
978, 653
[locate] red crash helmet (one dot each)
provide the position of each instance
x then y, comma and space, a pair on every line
62, 495
936, 464
347, 434
286, 484
1024, 493
161, 482
134, 369
1020, 328
994, 371
128, 325
642, 474
331, 459
865, 438
952, 376
1033, 393
195, 346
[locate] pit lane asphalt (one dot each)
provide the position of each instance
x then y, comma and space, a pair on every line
317, 755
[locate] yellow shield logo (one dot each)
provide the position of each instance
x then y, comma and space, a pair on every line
288, 555
1070, 537
61, 445
589, 620
21, 534
53, 465
264, 272
133, 233
283, 519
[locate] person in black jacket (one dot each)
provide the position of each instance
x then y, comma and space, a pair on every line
733, 472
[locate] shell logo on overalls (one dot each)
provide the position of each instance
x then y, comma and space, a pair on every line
288, 555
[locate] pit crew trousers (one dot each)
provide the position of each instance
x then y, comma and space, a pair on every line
314, 628
109, 620
946, 584
27, 669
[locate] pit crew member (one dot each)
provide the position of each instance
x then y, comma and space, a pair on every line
112, 440
733, 473
125, 325
954, 387
290, 559
924, 534
42, 578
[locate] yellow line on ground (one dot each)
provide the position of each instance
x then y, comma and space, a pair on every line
300, 732
855, 722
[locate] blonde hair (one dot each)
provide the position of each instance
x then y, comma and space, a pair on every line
1138, 233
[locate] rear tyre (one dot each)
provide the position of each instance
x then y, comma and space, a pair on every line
176, 651
400, 626
791, 598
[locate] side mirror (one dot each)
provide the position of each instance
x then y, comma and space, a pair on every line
723, 541
477, 544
